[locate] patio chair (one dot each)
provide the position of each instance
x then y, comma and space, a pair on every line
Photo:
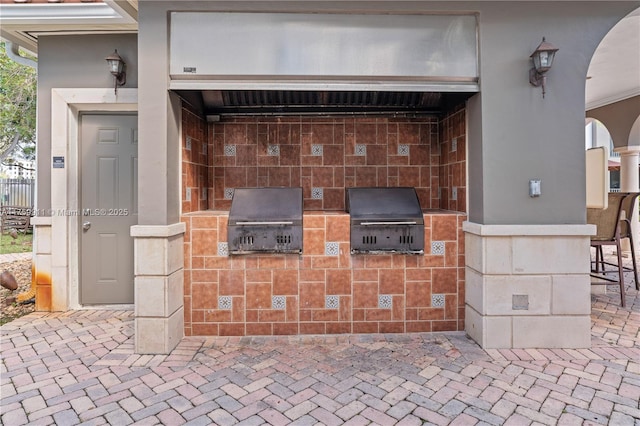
608, 226
628, 206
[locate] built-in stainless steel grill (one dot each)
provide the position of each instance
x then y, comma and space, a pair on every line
385, 220
265, 220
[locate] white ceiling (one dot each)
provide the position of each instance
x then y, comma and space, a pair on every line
614, 72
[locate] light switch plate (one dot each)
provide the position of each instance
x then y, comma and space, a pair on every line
534, 188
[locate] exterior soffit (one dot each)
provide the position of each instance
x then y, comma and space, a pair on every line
23, 23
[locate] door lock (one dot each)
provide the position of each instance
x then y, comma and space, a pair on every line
86, 226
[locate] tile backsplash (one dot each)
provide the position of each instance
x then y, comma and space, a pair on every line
324, 155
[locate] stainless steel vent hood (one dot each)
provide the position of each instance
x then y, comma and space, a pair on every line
322, 63
384, 50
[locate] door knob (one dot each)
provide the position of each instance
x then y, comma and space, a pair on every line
86, 226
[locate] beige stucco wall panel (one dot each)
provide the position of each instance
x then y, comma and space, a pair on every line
150, 256
488, 256
59, 293
175, 251
498, 256
158, 256
552, 332
44, 264
549, 255
159, 335
473, 325
158, 250
474, 291
498, 332
150, 296
157, 296
488, 332
500, 290
527, 249
474, 253
41, 235
60, 234
571, 294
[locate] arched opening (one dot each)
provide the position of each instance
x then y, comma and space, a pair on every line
612, 105
612, 101
614, 69
612, 91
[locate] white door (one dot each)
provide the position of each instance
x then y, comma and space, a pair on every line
109, 199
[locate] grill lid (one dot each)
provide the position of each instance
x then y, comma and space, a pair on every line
265, 220
367, 206
266, 206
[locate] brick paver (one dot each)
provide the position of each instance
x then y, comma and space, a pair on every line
79, 367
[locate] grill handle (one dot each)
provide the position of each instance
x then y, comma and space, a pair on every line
387, 223
264, 223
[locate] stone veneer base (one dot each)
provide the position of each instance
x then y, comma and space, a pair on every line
159, 261
528, 286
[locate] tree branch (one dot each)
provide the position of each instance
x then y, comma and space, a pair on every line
10, 148
18, 165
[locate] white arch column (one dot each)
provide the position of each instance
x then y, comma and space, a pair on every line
630, 182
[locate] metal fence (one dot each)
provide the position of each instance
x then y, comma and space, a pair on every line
17, 192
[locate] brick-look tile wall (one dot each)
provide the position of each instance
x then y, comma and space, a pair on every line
322, 291
318, 291
324, 156
196, 176
453, 161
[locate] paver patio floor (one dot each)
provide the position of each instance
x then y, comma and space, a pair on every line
78, 367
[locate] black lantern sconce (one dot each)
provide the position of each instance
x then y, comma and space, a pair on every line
542, 59
116, 67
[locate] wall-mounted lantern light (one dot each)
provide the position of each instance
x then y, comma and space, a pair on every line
542, 60
116, 67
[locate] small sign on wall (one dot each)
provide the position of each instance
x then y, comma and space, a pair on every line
58, 162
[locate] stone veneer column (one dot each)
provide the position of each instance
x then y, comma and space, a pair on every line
159, 280
630, 182
528, 286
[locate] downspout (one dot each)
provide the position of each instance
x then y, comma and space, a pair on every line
14, 54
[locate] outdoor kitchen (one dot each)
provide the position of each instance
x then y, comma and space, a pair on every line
253, 128
331, 286
323, 188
